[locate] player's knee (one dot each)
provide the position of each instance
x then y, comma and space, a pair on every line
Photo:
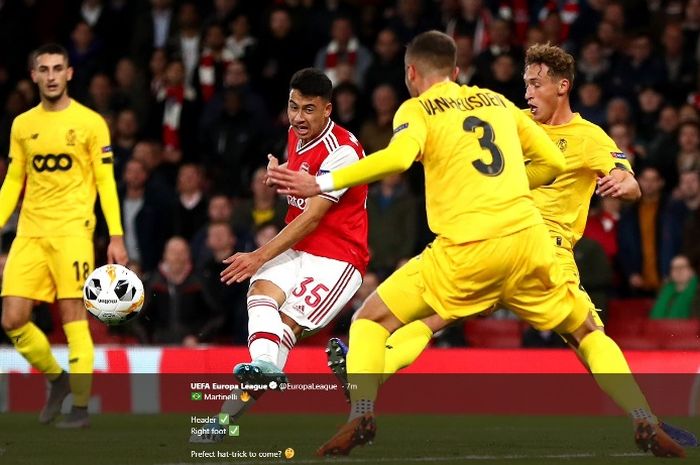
12, 321
575, 337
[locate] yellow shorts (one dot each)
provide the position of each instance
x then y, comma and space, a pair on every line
459, 280
565, 258
48, 268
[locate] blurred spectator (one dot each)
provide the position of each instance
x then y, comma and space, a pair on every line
237, 78
224, 11
161, 177
347, 107
185, 45
387, 66
611, 41
85, 56
676, 297
219, 210
592, 65
691, 27
213, 61
623, 136
265, 206
688, 157
643, 254
131, 90
152, 30
344, 48
590, 103
281, 53
587, 20
638, 69
688, 112
179, 309
14, 105
554, 30
101, 95
473, 21
231, 146
595, 272
392, 213
28, 91
506, 80
663, 146
601, 225
500, 43
124, 137
156, 67
535, 35
681, 210
377, 131
411, 19
240, 42
191, 206
229, 300
264, 233
617, 111
175, 116
106, 18
681, 67
468, 73
145, 215
649, 105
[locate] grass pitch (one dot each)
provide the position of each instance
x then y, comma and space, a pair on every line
441, 439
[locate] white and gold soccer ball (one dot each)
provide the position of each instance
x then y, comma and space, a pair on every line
113, 294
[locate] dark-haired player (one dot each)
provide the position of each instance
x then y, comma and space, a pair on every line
62, 150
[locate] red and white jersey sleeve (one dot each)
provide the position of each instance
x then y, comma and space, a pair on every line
342, 233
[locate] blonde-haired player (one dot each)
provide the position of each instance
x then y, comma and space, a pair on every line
492, 244
62, 150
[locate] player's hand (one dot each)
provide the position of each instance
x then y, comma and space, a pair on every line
241, 266
617, 184
636, 281
297, 183
272, 162
116, 251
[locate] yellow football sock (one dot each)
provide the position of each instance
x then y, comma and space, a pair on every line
81, 355
404, 346
610, 370
31, 342
366, 358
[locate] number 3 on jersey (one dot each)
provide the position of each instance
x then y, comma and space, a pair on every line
486, 141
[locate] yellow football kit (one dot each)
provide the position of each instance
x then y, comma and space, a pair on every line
492, 244
65, 158
589, 154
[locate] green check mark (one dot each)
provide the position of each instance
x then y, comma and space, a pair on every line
233, 430
223, 418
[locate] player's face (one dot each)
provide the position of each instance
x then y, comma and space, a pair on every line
51, 74
542, 92
307, 115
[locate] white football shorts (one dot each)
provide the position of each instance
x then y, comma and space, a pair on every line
317, 288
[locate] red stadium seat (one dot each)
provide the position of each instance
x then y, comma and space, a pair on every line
626, 317
493, 333
674, 334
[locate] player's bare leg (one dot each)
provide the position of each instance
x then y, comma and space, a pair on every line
609, 368
81, 354
31, 342
369, 332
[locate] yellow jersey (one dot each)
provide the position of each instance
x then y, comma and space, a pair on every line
63, 155
471, 145
589, 153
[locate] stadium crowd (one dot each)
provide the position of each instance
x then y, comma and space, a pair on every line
195, 96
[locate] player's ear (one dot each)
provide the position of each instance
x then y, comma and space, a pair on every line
564, 87
69, 73
455, 73
328, 109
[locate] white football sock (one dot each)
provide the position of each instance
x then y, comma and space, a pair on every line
286, 344
264, 328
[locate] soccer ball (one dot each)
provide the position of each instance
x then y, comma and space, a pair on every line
113, 294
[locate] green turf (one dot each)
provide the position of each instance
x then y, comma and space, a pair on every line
162, 439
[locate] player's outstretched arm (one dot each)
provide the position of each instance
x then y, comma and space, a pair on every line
619, 184
396, 158
546, 160
11, 188
242, 266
